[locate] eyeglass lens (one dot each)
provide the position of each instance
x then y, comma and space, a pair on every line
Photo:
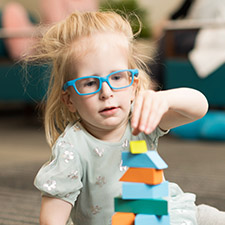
117, 80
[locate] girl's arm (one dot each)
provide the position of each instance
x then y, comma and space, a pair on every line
54, 211
167, 109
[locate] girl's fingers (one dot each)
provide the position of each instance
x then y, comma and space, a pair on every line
153, 117
145, 113
148, 111
159, 108
137, 111
142, 108
153, 121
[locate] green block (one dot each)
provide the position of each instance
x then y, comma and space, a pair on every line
156, 206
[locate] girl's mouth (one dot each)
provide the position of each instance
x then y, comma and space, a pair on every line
109, 110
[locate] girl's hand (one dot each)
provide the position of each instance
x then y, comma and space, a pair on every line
149, 108
167, 109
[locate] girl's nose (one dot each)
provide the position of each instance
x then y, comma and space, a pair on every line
106, 91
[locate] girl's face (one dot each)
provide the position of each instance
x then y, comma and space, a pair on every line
108, 109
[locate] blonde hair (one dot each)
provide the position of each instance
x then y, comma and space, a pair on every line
55, 47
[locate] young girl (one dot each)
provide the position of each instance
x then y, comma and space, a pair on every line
98, 100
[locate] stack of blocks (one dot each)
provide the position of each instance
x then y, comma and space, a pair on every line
143, 189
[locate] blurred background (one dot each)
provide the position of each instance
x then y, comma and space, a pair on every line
157, 10
176, 40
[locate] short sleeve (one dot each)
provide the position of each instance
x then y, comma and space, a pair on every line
61, 176
159, 132
152, 139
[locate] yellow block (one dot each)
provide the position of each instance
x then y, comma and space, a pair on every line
137, 147
122, 218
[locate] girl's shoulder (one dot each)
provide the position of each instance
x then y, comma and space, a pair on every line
76, 139
71, 139
72, 132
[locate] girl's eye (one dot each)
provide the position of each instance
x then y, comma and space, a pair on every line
90, 83
117, 76
87, 83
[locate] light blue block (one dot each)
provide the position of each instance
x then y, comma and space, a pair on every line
143, 219
132, 190
149, 159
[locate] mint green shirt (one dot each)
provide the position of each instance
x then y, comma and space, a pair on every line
85, 172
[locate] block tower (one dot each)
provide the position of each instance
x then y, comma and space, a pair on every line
143, 189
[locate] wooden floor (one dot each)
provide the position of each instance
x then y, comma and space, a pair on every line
197, 166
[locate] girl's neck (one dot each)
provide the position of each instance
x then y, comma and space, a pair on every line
109, 135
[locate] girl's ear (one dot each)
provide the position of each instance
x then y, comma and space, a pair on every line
66, 99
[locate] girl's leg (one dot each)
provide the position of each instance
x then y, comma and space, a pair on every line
15, 18
207, 215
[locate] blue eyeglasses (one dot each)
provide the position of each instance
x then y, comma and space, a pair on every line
92, 84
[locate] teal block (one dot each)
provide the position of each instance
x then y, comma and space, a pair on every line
142, 206
132, 190
149, 159
142, 219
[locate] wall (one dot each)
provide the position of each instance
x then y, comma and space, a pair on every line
158, 9
31, 5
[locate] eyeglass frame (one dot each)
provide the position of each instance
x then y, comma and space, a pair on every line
134, 73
